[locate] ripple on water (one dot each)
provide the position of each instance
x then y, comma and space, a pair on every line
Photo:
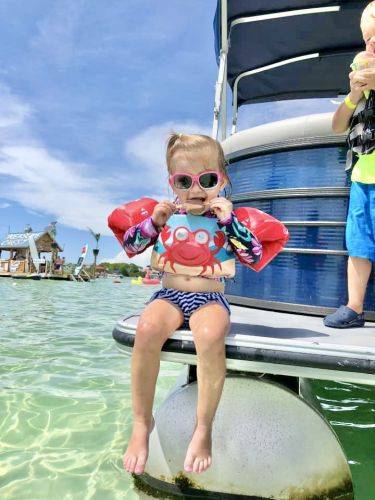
65, 395
350, 409
65, 389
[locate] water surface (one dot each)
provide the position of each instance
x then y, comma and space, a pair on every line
65, 394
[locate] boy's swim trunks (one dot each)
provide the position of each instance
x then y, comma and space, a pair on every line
360, 225
189, 302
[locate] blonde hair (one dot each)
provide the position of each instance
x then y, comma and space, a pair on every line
368, 13
188, 143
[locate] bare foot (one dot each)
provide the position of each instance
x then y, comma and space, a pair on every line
137, 451
198, 455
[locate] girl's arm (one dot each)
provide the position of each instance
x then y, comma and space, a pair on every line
145, 234
139, 237
242, 240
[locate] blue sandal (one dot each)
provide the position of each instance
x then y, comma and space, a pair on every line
344, 317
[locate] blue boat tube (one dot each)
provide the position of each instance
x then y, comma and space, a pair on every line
295, 170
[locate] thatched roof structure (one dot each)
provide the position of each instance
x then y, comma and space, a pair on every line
44, 241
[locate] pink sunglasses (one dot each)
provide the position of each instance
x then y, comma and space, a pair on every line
206, 180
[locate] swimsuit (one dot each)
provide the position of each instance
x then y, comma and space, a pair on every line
235, 239
189, 302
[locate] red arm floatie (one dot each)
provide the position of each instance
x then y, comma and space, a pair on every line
272, 234
129, 215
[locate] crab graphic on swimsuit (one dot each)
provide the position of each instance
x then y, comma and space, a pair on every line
191, 248
196, 245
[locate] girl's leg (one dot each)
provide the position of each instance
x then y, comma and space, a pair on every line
158, 322
209, 325
359, 271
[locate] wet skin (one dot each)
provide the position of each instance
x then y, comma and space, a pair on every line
209, 326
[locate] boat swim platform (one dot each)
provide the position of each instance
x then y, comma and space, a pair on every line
277, 343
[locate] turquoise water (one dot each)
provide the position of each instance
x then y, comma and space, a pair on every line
350, 410
65, 394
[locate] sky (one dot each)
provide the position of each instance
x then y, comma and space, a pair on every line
89, 92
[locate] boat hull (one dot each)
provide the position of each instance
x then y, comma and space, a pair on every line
295, 170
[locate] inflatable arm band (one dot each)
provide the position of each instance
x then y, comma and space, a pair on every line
129, 215
272, 234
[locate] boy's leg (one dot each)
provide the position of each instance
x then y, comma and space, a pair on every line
360, 241
158, 321
359, 271
209, 325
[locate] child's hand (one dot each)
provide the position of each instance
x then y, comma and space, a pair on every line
221, 207
162, 212
363, 79
357, 86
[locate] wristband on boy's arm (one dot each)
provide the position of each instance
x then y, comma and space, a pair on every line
349, 103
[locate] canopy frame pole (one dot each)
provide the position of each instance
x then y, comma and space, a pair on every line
220, 104
285, 13
260, 70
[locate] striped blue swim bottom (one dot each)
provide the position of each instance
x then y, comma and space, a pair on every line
189, 302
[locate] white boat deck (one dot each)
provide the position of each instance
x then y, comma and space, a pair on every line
278, 343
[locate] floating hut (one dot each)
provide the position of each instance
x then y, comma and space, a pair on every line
25, 254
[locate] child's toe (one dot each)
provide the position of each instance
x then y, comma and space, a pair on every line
140, 465
201, 467
196, 465
138, 469
131, 464
126, 462
188, 464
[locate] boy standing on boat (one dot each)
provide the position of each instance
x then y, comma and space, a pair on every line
358, 112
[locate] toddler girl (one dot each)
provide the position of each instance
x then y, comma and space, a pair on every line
191, 297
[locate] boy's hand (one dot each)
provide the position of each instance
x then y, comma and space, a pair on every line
162, 212
221, 207
356, 87
363, 79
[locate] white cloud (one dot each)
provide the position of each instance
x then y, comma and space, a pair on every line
4, 205
260, 113
44, 183
57, 31
13, 114
148, 148
141, 260
73, 193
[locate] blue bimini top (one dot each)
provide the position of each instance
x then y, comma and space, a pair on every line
320, 38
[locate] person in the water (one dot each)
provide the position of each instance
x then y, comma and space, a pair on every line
191, 297
357, 112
